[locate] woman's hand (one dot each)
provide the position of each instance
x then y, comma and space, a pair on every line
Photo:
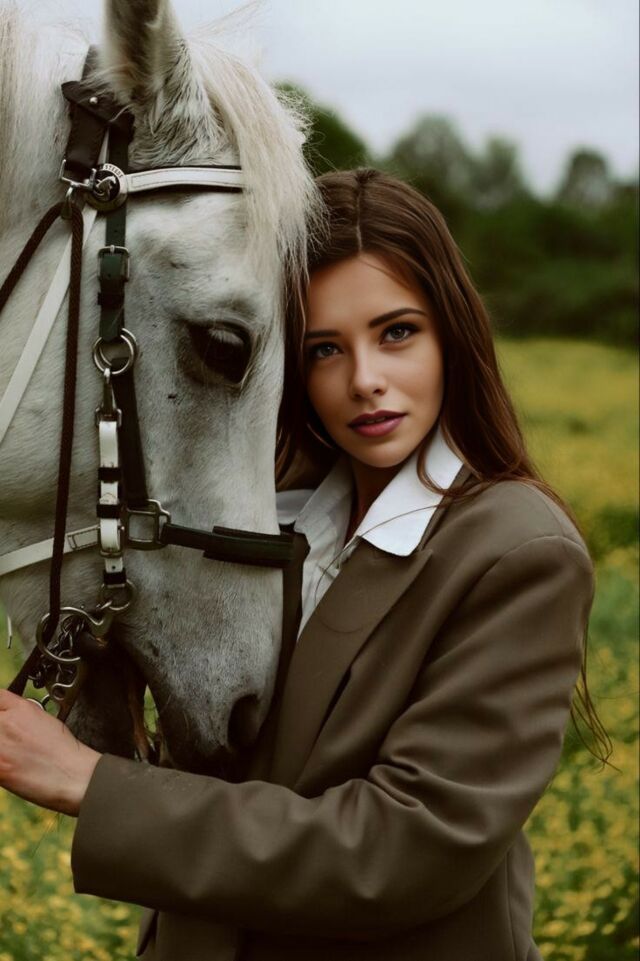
40, 759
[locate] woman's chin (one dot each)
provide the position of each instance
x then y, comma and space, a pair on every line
380, 455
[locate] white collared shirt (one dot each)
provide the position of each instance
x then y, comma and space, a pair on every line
395, 522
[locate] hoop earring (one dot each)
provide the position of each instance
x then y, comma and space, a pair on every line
317, 436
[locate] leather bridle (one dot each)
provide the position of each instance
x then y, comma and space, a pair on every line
95, 169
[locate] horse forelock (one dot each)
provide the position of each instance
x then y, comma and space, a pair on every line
267, 130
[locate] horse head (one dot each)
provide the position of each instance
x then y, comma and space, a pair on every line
205, 300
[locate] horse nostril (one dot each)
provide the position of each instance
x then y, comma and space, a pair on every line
244, 722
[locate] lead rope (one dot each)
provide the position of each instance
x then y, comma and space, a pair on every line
66, 210
68, 416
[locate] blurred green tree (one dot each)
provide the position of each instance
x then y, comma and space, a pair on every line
586, 181
563, 265
496, 177
433, 157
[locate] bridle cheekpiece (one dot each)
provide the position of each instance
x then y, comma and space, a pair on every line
95, 170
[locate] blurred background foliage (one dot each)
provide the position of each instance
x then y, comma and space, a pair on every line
562, 265
559, 275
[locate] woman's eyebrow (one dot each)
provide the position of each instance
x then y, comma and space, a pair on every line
383, 318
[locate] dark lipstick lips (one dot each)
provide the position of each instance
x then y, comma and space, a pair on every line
374, 415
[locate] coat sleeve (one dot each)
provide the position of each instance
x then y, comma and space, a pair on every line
455, 779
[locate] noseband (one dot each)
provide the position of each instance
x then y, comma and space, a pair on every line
95, 169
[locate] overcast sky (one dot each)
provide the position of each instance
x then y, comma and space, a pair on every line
549, 74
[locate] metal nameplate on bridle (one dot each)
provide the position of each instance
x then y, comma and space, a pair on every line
110, 188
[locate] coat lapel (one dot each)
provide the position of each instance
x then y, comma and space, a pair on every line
369, 584
367, 587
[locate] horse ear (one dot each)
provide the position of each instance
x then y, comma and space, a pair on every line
143, 50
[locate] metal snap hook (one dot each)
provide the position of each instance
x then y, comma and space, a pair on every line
65, 212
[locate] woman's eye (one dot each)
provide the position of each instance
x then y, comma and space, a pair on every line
395, 334
222, 350
399, 332
320, 351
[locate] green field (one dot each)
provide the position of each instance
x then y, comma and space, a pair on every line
578, 403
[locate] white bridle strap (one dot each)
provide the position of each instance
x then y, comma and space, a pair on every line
40, 332
163, 177
43, 551
135, 183
226, 177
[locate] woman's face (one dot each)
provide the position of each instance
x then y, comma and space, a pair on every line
371, 349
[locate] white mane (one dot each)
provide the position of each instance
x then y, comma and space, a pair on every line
32, 112
231, 112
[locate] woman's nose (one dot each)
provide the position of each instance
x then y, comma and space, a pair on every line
367, 377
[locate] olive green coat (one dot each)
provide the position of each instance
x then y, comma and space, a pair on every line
421, 718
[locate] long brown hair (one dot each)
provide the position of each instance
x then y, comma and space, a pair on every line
368, 210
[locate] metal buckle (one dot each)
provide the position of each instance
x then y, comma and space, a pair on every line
114, 249
154, 513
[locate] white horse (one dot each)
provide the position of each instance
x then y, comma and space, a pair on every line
205, 634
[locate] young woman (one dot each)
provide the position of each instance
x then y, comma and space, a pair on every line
434, 635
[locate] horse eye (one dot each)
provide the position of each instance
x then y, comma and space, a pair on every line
223, 350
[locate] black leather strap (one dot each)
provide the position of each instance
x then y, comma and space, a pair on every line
114, 273
92, 112
19, 682
292, 606
131, 455
114, 257
256, 763
227, 544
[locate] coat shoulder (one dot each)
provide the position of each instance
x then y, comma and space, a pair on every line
509, 514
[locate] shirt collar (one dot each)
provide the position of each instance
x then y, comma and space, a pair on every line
331, 499
398, 517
